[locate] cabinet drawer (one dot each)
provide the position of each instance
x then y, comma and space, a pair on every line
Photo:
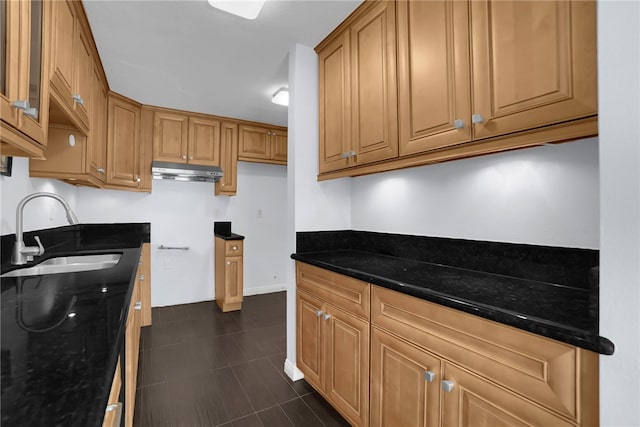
538, 368
233, 247
342, 291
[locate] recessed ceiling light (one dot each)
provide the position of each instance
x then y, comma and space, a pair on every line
248, 9
281, 97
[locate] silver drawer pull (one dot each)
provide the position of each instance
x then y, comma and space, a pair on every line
448, 385
429, 376
235, 248
318, 313
173, 248
118, 408
326, 316
138, 305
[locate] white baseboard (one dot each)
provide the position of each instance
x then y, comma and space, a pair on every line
278, 287
292, 371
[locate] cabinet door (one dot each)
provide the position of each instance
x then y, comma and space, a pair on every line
474, 401
204, 141
170, 137
132, 347
123, 143
98, 131
233, 280
434, 94
335, 104
309, 342
228, 159
534, 64
279, 141
346, 355
405, 383
64, 46
254, 142
83, 81
24, 70
144, 276
373, 91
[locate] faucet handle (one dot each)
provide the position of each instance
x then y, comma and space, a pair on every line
41, 248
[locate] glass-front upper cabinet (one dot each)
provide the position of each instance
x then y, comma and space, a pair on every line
24, 86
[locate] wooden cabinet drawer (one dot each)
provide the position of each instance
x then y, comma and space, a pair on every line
233, 247
536, 367
344, 292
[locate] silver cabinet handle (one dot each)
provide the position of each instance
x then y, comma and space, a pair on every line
138, 305
429, 376
234, 248
352, 153
228, 262
100, 170
344, 155
477, 118
118, 408
137, 179
26, 108
458, 123
447, 385
326, 316
190, 157
141, 277
78, 99
184, 157
318, 313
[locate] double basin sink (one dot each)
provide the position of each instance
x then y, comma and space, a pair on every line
68, 264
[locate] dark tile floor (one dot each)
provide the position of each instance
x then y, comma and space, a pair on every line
201, 367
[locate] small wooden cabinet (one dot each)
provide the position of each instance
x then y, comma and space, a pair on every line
332, 339
123, 143
228, 274
182, 138
261, 144
358, 101
228, 183
24, 77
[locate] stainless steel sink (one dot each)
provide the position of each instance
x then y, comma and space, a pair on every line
68, 264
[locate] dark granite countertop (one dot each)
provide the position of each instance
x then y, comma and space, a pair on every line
565, 313
230, 236
62, 333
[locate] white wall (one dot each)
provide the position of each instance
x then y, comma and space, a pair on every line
312, 205
181, 214
619, 122
38, 213
544, 195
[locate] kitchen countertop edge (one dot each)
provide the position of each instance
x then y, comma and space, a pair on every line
549, 329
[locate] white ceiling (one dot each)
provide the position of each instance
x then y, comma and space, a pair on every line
189, 56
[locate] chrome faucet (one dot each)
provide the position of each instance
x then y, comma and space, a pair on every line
21, 253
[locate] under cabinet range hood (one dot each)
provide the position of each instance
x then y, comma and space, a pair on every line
185, 172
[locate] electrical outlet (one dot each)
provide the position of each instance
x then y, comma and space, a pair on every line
259, 213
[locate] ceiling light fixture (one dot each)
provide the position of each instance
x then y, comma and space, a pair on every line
248, 9
281, 97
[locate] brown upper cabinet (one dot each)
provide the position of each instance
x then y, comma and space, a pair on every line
124, 155
24, 85
228, 183
472, 78
358, 101
183, 138
72, 63
262, 144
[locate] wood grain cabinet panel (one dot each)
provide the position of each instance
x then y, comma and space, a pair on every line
229, 272
228, 184
434, 95
534, 64
358, 90
405, 383
473, 401
204, 141
333, 342
373, 84
24, 78
132, 347
123, 143
334, 77
170, 137
261, 144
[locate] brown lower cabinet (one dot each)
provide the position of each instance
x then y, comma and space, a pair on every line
229, 274
333, 343
432, 365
